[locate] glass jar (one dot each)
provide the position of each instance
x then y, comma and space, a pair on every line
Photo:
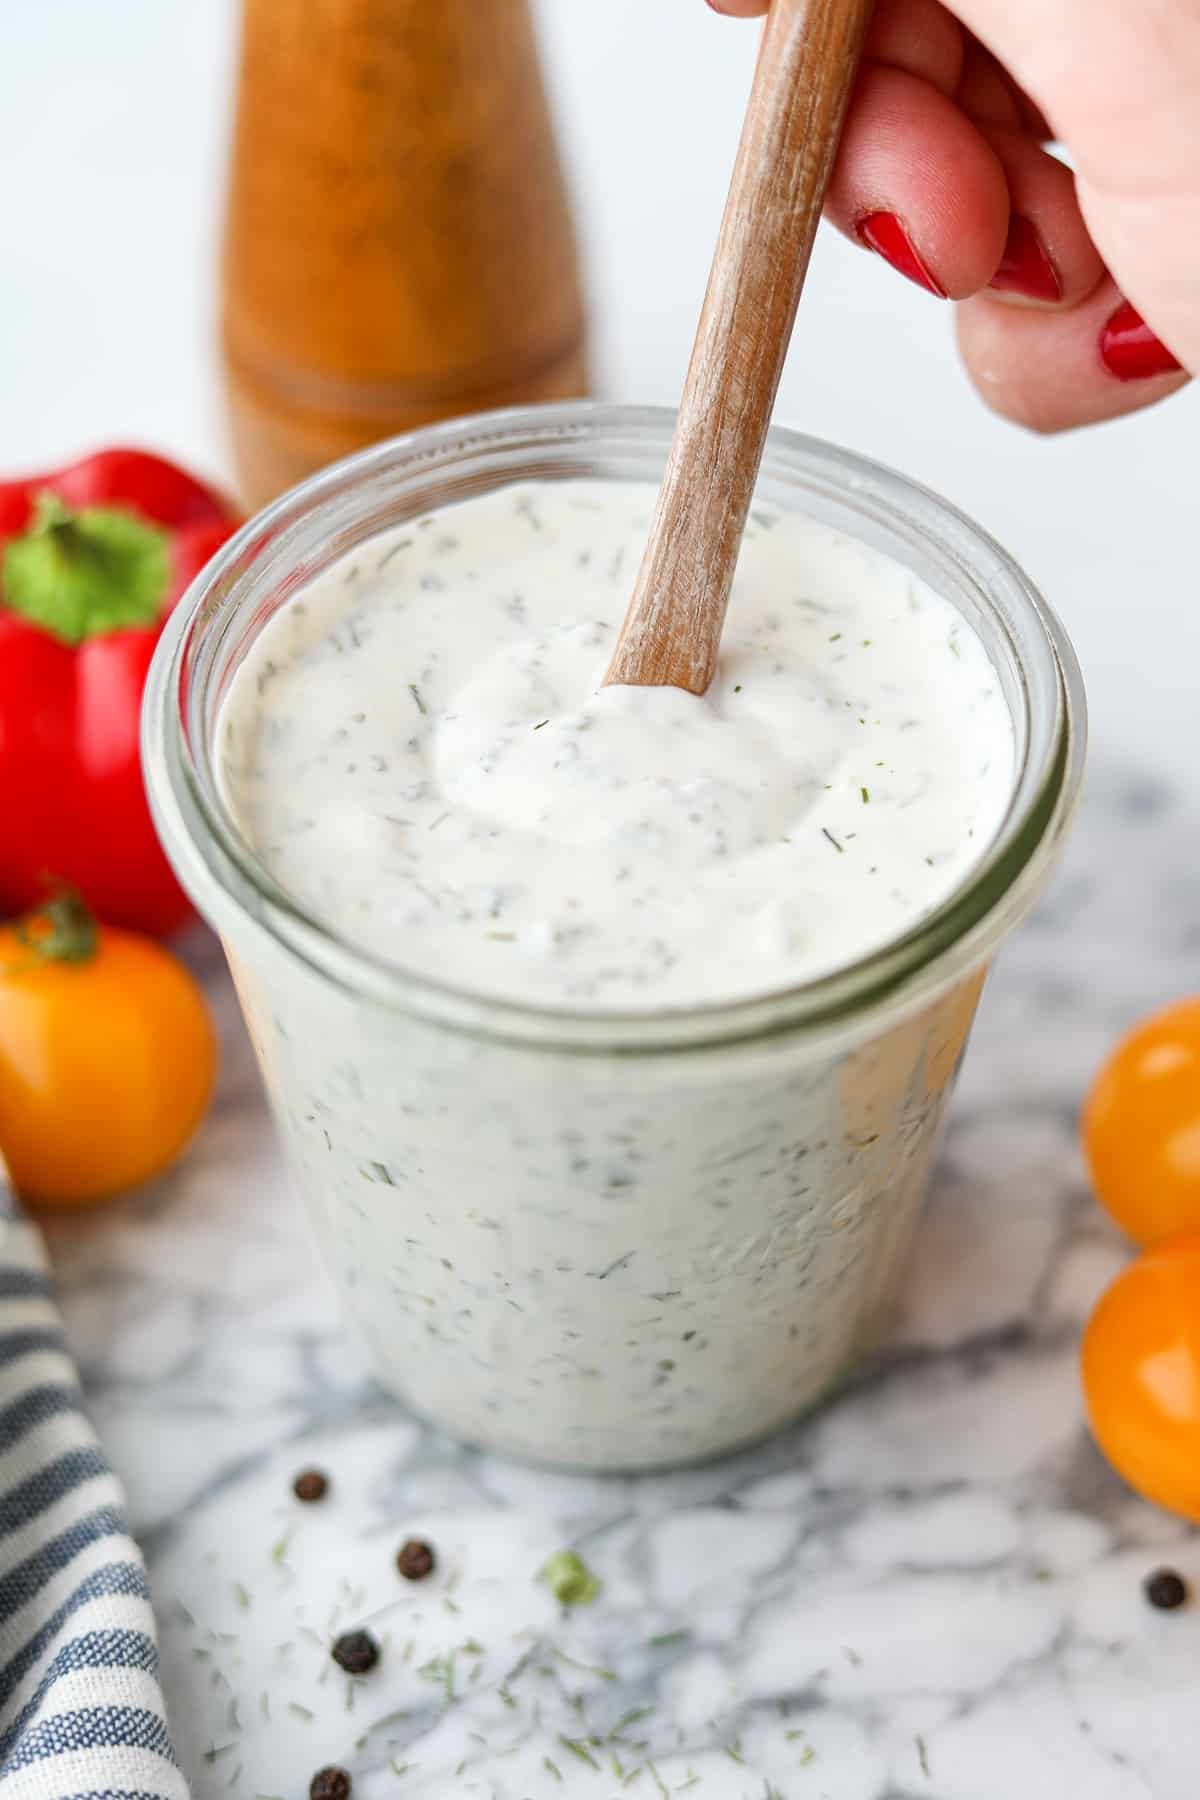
606, 1240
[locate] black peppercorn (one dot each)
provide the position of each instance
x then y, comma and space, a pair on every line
330, 1784
415, 1560
356, 1652
1165, 1589
310, 1485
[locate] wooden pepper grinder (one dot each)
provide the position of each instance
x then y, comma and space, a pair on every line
398, 243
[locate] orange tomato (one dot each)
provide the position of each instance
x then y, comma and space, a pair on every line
1141, 1126
107, 1056
1141, 1375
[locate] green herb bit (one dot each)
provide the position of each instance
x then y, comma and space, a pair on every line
578, 1747
666, 1638
586, 1668
835, 637
216, 1750
734, 1751
569, 1579
392, 1718
538, 727
807, 1755
243, 1596
630, 1718
553, 1768
922, 1756
279, 1549
440, 1669
825, 832
738, 688
415, 691
866, 796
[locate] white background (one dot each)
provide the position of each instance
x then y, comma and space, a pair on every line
112, 135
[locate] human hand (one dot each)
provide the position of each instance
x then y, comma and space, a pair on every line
943, 170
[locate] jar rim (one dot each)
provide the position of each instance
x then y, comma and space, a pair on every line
227, 881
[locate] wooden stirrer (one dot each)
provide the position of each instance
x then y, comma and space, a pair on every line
806, 66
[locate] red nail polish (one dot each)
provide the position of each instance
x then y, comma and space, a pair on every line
1129, 349
1025, 268
884, 233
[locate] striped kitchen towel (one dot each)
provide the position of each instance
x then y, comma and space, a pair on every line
81, 1710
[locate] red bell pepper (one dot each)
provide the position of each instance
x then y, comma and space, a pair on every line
92, 559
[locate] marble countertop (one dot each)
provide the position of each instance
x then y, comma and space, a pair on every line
929, 1591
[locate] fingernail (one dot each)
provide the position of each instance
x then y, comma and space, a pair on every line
884, 233
1025, 268
1129, 349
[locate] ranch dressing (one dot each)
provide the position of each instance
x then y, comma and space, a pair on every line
608, 1260
419, 749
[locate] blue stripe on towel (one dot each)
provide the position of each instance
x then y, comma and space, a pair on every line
37, 1407
23, 1583
122, 1649
123, 1578
48, 1486
78, 1656
92, 1728
17, 1283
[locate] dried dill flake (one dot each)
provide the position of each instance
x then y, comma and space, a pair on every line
310, 1485
569, 1579
330, 1784
1166, 1589
356, 1652
415, 1560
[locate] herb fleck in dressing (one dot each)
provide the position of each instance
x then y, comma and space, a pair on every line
423, 755
604, 1260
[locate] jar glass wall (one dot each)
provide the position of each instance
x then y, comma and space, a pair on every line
601, 1239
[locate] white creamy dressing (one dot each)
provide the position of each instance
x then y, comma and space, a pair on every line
419, 749
605, 1260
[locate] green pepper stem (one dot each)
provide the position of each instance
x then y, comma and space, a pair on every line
63, 930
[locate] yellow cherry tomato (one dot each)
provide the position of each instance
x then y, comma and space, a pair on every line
1141, 1375
1141, 1127
107, 1056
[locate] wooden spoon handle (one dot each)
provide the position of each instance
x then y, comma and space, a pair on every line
806, 67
